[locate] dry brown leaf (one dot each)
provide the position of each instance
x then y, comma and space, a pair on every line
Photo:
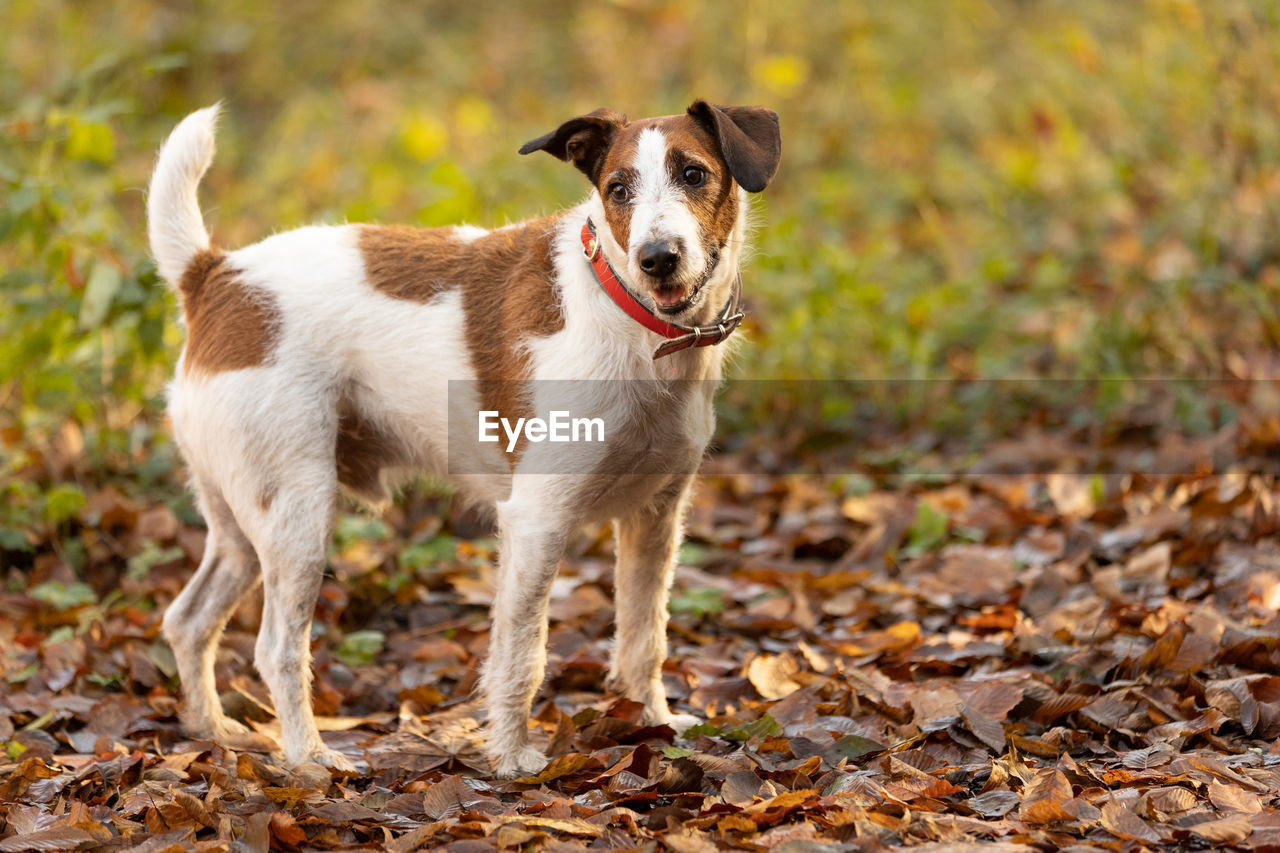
988, 729
1170, 801
290, 798
771, 675
741, 787
573, 826
815, 659
285, 830
993, 698
445, 799
973, 847
902, 635
193, 807
1233, 798
689, 842
1231, 829
1044, 796
1045, 811
935, 705
1150, 567
406, 751
1060, 706
787, 800
736, 823
414, 838
55, 838
1109, 710
1156, 755
561, 765
1072, 494
1121, 822
1234, 699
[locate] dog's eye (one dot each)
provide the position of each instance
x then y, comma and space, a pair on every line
618, 192
693, 176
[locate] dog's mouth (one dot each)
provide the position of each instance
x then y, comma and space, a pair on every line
673, 300
677, 297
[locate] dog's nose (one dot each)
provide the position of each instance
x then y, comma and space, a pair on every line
659, 258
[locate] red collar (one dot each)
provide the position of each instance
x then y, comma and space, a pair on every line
680, 336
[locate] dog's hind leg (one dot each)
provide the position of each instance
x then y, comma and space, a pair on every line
647, 543
195, 620
533, 535
292, 539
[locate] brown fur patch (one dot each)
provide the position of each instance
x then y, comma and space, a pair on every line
505, 278
363, 450
715, 203
230, 326
508, 295
618, 165
413, 264
516, 301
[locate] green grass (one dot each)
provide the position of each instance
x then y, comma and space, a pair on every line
968, 188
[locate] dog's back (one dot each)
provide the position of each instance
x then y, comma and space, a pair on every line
344, 338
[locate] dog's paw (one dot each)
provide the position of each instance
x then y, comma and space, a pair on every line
523, 761
334, 760
239, 737
308, 774
225, 727
662, 716
683, 722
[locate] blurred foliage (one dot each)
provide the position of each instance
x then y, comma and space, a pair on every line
969, 187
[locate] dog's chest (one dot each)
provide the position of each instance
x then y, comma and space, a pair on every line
660, 432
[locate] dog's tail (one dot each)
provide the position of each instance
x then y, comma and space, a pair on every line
174, 224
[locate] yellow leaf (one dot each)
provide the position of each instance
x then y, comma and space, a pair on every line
573, 826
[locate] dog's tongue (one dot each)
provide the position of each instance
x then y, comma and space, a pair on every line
669, 296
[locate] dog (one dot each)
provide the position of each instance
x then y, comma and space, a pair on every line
320, 359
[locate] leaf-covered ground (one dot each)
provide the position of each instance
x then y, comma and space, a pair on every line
1030, 661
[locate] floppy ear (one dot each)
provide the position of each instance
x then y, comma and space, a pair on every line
582, 141
749, 140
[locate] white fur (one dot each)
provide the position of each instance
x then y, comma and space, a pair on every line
260, 446
659, 211
175, 226
467, 233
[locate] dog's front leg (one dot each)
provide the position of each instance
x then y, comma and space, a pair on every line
533, 536
647, 543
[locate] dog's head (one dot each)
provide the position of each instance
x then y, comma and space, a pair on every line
669, 187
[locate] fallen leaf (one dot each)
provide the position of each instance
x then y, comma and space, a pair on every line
771, 675
560, 766
1231, 829
1123, 823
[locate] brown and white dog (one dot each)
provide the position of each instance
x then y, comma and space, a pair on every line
322, 357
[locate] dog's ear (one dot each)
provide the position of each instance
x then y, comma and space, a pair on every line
582, 141
749, 140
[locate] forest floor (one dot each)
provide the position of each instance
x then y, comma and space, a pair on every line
1024, 661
